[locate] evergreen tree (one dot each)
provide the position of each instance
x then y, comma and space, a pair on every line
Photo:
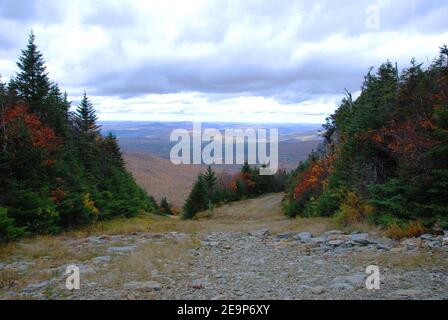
86, 117
32, 83
196, 200
165, 207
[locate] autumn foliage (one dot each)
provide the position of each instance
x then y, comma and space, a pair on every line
385, 155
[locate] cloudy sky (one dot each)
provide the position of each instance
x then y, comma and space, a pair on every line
265, 61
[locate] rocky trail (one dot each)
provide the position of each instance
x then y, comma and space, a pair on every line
246, 250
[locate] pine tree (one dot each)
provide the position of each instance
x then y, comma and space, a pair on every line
165, 207
112, 149
86, 117
32, 83
196, 199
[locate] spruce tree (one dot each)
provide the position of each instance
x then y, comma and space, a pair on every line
210, 181
113, 150
86, 117
32, 83
165, 207
196, 199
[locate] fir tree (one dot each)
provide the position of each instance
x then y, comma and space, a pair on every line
196, 201
86, 117
32, 83
165, 207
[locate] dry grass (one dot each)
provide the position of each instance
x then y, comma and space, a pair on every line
262, 212
414, 260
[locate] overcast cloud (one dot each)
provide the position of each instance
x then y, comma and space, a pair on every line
269, 61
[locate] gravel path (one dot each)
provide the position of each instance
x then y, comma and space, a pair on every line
249, 264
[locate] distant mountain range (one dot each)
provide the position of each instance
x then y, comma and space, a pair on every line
146, 147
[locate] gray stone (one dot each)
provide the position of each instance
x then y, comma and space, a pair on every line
121, 249
356, 280
445, 241
142, 286
286, 235
262, 233
336, 242
361, 238
427, 237
38, 285
341, 286
318, 240
101, 259
303, 236
317, 290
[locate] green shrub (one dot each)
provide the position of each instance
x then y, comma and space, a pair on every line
8, 230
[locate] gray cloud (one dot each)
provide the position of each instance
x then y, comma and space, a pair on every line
290, 51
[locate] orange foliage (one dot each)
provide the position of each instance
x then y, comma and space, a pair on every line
245, 178
41, 135
406, 140
315, 177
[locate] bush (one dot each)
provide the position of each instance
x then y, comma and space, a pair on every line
8, 230
405, 230
352, 210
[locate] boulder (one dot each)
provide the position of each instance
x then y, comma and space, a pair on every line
361, 238
303, 236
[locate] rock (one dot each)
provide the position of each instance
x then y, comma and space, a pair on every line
303, 288
361, 238
317, 290
37, 285
303, 236
411, 243
121, 249
210, 243
445, 233
336, 242
220, 297
356, 280
197, 285
101, 259
407, 292
142, 286
105, 237
427, 237
85, 269
286, 235
341, 286
445, 241
262, 233
94, 240
318, 240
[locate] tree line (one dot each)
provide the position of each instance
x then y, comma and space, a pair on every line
385, 154
211, 189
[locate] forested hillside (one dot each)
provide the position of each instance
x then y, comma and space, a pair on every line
56, 168
385, 158
211, 189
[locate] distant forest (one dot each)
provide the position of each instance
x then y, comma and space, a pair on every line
57, 170
385, 156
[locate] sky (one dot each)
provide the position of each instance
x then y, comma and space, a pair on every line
239, 61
